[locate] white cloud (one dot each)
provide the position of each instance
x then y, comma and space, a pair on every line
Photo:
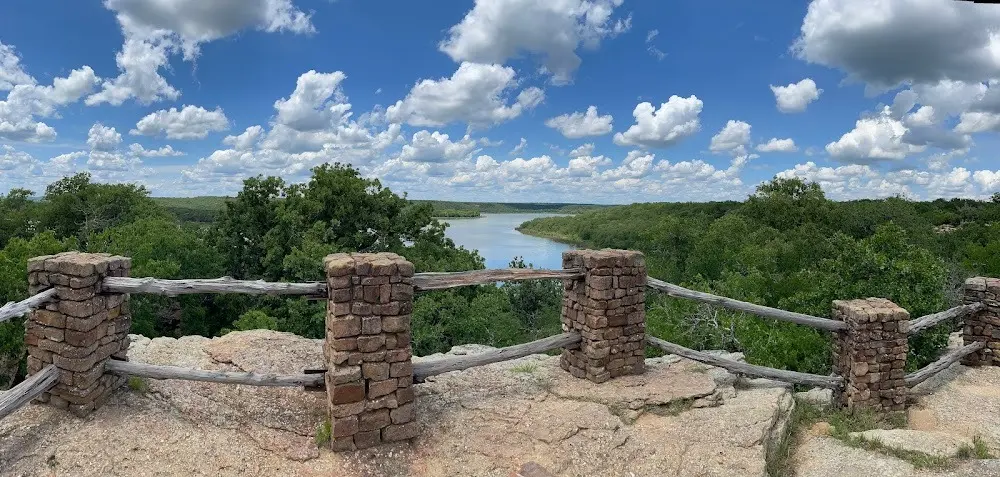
11, 159
576, 125
11, 73
425, 146
976, 122
873, 139
663, 127
778, 145
885, 43
519, 148
474, 94
733, 138
139, 63
197, 21
795, 97
27, 101
651, 48
103, 138
497, 30
136, 149
583, 150
156, 29
246, 140
191, 122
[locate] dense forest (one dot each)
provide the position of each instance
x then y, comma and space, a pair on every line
788, 246
272, 231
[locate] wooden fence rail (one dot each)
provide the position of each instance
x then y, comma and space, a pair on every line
317, 290
17, 396
227, 377
438, 281
924, 322
425, 369
747, 369
766, 311
18, 308
942, 363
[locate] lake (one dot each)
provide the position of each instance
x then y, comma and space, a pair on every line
498, 242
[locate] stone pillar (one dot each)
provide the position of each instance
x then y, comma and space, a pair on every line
983, 325
871, 354
80, 330
369, 378
607, 307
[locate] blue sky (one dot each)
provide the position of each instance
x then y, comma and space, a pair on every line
606, 101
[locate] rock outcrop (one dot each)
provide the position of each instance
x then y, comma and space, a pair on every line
679, 418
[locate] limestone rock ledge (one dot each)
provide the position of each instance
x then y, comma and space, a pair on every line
679, 418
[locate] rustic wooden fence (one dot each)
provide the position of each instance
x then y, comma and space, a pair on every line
76, 334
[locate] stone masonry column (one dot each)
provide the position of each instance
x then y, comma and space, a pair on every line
985, 324
369, 378
80, 330
870, 354
607, 307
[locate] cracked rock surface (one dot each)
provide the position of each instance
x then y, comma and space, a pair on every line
680, 418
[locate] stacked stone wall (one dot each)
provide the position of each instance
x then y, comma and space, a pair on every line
369, 378
80, 330
985, 324
607, 307
871, 354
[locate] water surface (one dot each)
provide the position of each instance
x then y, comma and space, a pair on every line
498, 242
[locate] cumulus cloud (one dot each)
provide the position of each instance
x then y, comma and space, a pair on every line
313, 125
426, 146
795, 97
873, 139
583, 150
246, 140
11, 73
977, 121
733, 138
103, 138
778, 145
890, 42
474, 94
28, 101
155, 30
190, 122
576, 125
138, 150
497, 30
663, 127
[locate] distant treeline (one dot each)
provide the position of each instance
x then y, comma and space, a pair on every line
206, 209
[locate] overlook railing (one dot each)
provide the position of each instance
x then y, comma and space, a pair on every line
77, 334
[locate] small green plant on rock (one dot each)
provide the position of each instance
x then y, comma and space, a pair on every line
978, 450
323, 433
525, 368
138, 384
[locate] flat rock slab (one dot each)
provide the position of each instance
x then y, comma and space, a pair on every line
829, 457
486, 421
938, 444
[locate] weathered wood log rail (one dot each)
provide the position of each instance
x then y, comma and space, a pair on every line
737, 367
924, 322
18, 308
760, 310
424, 369
225, 377
421, 282
17, 396
942, 363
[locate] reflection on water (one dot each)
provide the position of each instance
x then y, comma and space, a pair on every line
497, 241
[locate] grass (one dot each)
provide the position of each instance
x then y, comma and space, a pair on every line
138, 384
978, 450
844, 422
525, 368
323, 433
